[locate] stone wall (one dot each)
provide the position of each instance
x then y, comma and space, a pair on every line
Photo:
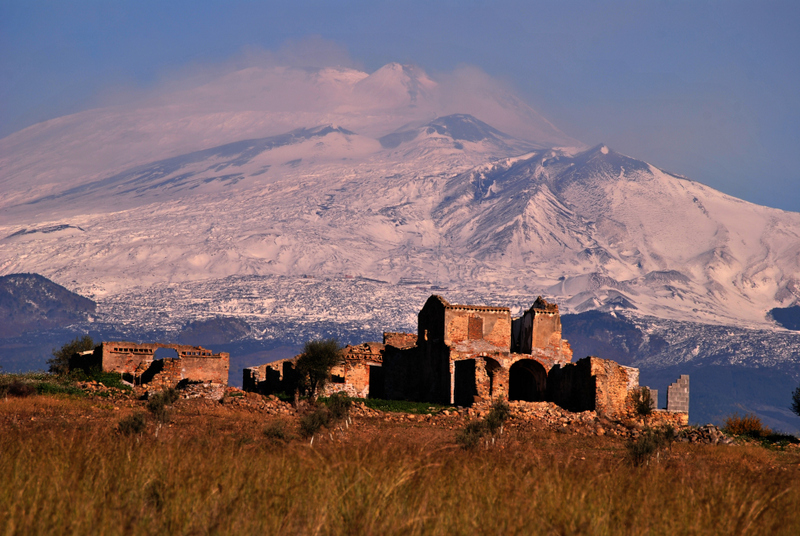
678, 395
213, 368
540, 328
613, 384
491, 324
595, 384
193, 363
399, 340
661, 417
360, 374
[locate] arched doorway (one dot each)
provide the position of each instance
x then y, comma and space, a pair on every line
527, 380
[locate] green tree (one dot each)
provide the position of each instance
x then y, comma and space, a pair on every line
59, 364
796, 400
315, 363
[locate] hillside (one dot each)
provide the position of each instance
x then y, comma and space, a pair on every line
30, 302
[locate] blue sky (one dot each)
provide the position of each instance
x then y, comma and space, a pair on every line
710, 90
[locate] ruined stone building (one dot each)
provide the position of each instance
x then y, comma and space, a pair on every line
139, 364
463, 354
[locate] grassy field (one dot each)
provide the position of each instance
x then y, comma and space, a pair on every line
65, 469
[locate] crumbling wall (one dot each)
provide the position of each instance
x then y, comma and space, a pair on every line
662, 417
539, 329
431, 320
678, 395
613, 384
359, 374
194, 363
572, 386
275, 377
595, 384
164, 373
212, 368
466, 322
126, 357
399, 340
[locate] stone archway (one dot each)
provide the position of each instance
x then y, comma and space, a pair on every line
527, 380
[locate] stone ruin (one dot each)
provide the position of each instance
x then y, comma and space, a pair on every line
472, 354
197, 370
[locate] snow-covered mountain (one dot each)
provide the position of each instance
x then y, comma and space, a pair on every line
441, 203
362, 174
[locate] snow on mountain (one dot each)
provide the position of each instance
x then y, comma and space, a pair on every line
450, 203
279, 171
626, 235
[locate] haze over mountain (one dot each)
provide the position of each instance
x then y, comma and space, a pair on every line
255, 102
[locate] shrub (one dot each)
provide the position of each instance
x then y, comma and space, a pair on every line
499, 414
795, 407
650, 442
276, 433
312, 423
158, 403
109, 379
339, 405
132, 424
749, 425
59, 364
471, 435
17, 389
49, 388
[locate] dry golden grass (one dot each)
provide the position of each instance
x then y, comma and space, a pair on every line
65, 470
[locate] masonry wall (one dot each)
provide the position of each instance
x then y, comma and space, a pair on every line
194, 363
471, 323
678, 395
540, 327
126, 357
206, 369
613, 383
430, 320
400, 340
572, 386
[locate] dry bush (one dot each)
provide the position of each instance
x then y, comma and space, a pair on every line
17, 389
749, 425
132, 424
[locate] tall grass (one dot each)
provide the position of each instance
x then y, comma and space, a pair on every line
218, 473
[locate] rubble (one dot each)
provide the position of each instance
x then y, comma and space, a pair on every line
708, 434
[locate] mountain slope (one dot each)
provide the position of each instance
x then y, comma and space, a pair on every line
633, 234
592, 229
30, 302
